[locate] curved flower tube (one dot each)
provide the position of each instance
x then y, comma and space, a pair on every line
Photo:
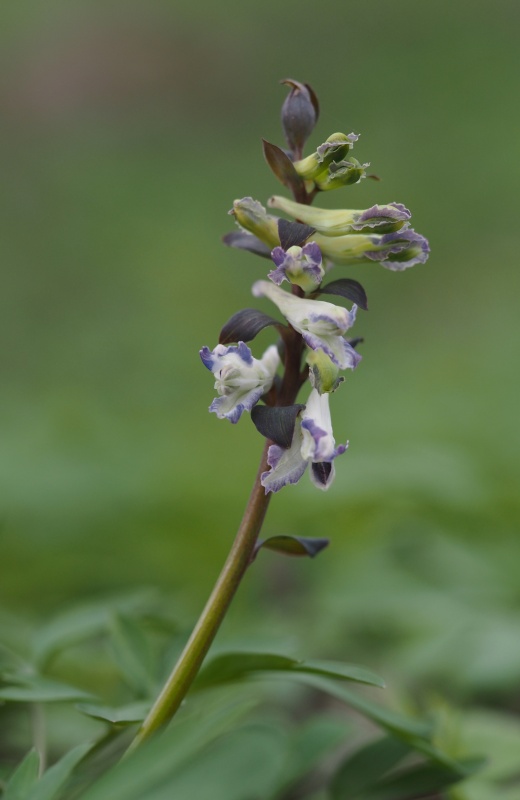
395, 251
241, 380
312, 443
321, 324
337, 222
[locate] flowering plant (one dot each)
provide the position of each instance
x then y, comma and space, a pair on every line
312, 347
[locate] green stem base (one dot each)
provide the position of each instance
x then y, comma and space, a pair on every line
190, 661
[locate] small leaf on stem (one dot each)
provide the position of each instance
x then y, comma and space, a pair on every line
245, 325
346, 287
283, 168
293, 233
276, 423
247, 241
293, 545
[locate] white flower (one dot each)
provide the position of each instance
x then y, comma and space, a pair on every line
321, 324
312, 443
241, 380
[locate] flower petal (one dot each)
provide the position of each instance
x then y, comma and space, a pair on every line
322, 474
287, 465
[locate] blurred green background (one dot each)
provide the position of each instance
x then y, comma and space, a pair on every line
128, 128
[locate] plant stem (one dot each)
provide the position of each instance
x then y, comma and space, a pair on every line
190, 661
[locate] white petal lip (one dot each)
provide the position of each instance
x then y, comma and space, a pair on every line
321, 324
241, 380
300, 312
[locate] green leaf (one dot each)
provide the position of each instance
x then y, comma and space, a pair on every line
86, 621
312, 742
149, 768
35, 689
293, 545
245, 325
133, 654
230, 667
360, 770
56, 776
423, 780
276, 423
235, 666
245, 764
391, 721
123, 715
23, 778
340, 670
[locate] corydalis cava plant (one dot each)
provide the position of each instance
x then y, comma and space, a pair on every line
313, 346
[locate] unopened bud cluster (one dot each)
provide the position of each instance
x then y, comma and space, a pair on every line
313, 345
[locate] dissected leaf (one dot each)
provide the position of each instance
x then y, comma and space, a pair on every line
313, 741
85, 621
283, 168
229, 667
133, 655
346, 287
341, 670
391, 721
54, 779
235, 666
422, 780
247, 241
293, 545
36, 689
293, 234
23, 778
123, 715
245, 325
150, 768
361, 769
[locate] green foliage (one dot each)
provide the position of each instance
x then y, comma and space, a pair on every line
228, 739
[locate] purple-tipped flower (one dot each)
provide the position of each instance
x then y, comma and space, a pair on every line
321, 324
299, 265
396, 251
341, 173
312, 443
241, 380
338, 222
399, 250
335, 148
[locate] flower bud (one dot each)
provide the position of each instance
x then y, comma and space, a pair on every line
323, 373
299, 114
337, 222
341, 173
252, 216
298, 265
335, 148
